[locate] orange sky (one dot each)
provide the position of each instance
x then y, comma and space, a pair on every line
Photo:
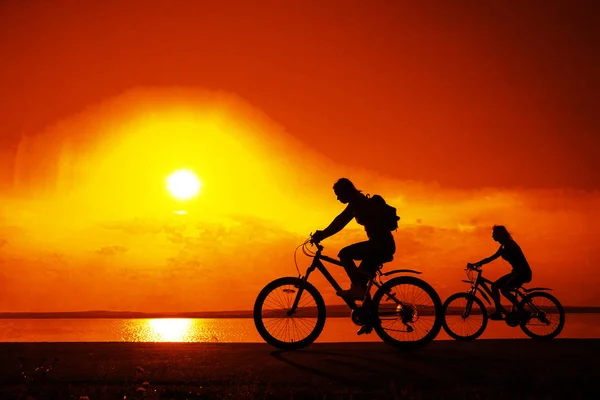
462, 118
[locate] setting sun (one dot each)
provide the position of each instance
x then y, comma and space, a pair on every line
183, 184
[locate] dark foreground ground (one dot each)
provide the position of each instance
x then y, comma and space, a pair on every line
484, 369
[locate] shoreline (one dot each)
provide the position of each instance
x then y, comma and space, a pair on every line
333, 311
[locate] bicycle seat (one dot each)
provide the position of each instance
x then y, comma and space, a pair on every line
380, 261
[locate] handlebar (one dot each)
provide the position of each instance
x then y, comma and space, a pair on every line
310, 252
307, 252
473, 267
317, 244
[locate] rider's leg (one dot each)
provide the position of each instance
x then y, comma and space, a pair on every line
348, 254
496, 286
369, 253
510, 284
368, 266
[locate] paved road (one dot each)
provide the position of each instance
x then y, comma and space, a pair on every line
562, 368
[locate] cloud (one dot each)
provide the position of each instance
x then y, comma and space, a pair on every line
125, 249
111, 250
201, 264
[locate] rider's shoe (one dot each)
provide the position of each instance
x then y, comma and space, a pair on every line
497, 316
356, 292
365, 329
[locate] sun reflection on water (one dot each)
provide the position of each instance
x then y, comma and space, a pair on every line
170, 330
205, 330
163, 330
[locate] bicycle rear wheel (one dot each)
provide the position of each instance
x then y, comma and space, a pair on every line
289, 331
543, 315
465, 316
408, 312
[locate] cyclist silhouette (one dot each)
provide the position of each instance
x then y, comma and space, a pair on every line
372, 253
521, 272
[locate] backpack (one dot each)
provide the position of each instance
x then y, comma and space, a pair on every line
385, 214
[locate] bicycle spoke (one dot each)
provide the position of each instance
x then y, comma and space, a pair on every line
411, 302
543, 316
461, 325
276, 321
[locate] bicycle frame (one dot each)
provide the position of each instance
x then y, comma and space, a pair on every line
527, 310
318, 264
482, 283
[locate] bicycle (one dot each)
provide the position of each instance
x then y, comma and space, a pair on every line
528, 311
298, 312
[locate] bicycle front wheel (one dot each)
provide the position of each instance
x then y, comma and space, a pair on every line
408, 312
282, 328
465, 316
543, 317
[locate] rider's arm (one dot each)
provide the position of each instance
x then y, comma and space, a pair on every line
339, 222
491, 258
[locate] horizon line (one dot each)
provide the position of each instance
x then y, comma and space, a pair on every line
337, 308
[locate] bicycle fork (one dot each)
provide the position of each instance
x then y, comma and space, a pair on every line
468, 308
303, 280
470, 301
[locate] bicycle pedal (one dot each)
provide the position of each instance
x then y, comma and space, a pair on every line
364, 330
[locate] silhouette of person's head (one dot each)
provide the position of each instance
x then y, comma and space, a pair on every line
345, 190
500, 234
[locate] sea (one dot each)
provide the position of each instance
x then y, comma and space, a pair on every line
228, 330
